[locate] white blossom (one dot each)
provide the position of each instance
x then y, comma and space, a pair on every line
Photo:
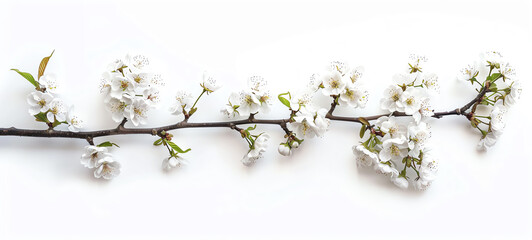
265, 101
301, 99
249, 103
137, 111
257, 84
338, 66
231, 109
57, 111
431, 83
386, 169
173, 162
73, 121
427, 173
39, 102
93, 155
137, 62
49, 82
488, 141
151, 94
392, 98
333, 83
138, 79
400, 182
284, 149
514, 94
492, 58
468, 72
390, 126
121, 86
355, 74
506, 70
107, 168
115, 65
416, 62
314, 83
364, 157
117, 108
497, 116
411, 100
425, 111
354, 96
309, 123
183, 102
418, 138
259, 147
394, 149
405, 78
209, 83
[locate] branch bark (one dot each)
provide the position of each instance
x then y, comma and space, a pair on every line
121, 130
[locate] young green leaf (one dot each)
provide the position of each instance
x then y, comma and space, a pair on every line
43, 64
251, 128
158, 142
28, 77
364, 121
177, 148
494, 77
362, 131
107, 144
283, 100
41, 117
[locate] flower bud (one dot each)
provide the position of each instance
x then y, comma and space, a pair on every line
295, 144
284, 149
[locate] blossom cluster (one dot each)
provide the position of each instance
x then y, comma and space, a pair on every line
130, 89
45, 104
503, 91
339, 81
184, 105
99, 159
392, 143
251, 100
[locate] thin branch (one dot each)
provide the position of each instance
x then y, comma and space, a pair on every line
121, 130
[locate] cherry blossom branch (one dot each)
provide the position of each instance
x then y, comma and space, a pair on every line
121, 130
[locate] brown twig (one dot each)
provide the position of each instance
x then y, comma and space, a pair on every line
121, 130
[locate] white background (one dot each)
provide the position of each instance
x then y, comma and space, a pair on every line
318, 193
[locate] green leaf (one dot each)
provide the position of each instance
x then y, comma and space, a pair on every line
41, 117
177, 148
28, 77
43, 64
56, 123
251, 128
493, 87
158, 142
364, 121
362, 131
494, 77
192, 111
107, 144
284, 100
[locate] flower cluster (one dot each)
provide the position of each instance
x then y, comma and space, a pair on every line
502, 91
130, 90
45, 104
184, 105
99, 159
343, 82
412, 91
252, 100
391, 144
257, 145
